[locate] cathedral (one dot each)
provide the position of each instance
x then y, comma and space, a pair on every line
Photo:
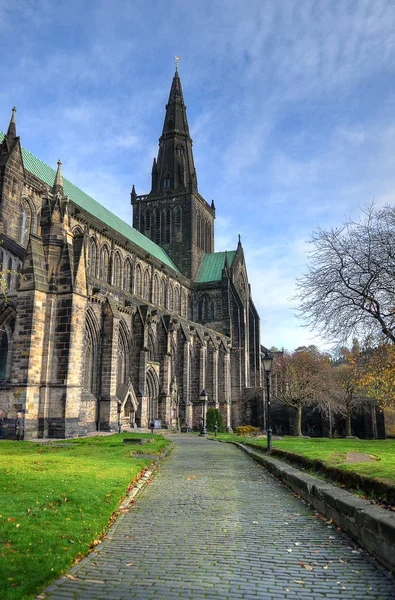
102, 322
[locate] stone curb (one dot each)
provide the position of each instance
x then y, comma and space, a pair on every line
351, 480
371, 527
125, 504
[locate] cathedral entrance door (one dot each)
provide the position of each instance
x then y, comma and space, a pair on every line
153, 395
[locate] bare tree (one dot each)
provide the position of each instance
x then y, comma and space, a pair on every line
349, 289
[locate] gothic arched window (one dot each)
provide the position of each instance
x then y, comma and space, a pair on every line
162, 299
176, 307
9, 273
177, 217
184, 303
24, 223
91, 353
123, 355
6, 333
155, 290
147, 285
166, 180
104, 263
92, 257
157, 227
137, 282
127, 277
3, 356
148, 224
206, 308
168, 226
199, 230
116, 279
170, 300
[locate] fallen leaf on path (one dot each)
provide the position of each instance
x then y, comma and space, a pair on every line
70, 576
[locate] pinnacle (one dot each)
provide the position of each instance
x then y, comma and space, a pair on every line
58, 183
11, 132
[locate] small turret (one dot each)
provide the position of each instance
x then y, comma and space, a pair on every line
154, 174
11, 131
133, 195
10, 140
58, 183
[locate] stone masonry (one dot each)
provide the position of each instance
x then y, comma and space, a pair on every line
106, 324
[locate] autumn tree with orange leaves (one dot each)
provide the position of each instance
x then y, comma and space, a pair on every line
377, 374
346, 386
301, 379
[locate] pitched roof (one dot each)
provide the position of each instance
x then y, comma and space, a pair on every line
212, 264
47, 174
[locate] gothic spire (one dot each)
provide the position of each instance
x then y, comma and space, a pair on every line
58, 183
176, 117
174, 170
11, 131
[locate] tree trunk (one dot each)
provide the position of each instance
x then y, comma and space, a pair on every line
298, 421
330, 423
348, 423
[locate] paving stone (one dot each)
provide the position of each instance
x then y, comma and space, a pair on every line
214, 524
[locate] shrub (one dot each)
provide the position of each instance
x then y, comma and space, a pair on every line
247, 430
214, 416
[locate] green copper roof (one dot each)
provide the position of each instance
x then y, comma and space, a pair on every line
212, 264
47, 174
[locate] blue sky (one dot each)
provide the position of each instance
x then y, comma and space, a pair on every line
291, 108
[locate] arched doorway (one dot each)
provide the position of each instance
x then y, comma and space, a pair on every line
153, 413
7, 325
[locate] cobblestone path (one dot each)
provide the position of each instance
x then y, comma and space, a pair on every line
214, 525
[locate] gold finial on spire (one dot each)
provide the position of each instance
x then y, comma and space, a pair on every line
177, 58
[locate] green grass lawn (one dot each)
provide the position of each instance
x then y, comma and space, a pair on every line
333, 452
55, 502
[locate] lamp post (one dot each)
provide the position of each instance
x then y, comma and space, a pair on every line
267, 364
203, 399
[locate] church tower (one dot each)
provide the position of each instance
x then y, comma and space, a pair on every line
174, 214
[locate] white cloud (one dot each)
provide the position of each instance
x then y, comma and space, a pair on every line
290, 105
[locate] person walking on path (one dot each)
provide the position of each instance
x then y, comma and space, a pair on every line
2, 424
19, 427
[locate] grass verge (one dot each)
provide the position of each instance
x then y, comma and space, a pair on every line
333, 452
56, 501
